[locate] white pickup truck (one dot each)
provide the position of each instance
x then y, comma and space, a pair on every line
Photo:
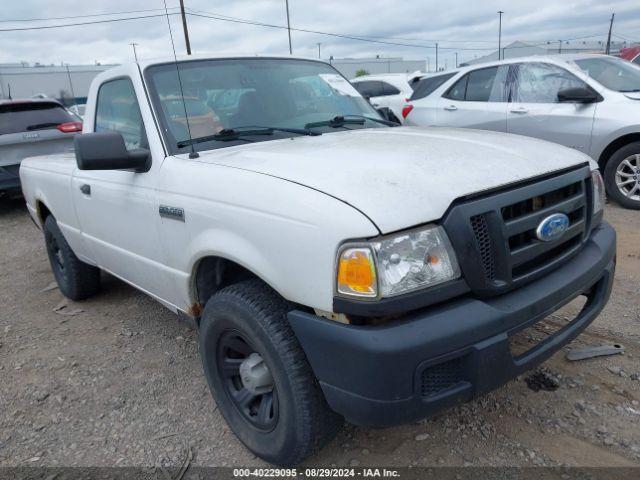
337, 266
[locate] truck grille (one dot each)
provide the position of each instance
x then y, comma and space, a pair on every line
495, 236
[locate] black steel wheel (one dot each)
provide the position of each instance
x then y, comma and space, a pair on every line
248, 381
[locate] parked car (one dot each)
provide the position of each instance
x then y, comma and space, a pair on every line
389, 90
28, 128
78, 110
587, 102
337, 266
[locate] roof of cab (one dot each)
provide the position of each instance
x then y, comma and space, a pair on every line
186, 58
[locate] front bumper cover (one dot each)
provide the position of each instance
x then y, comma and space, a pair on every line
384, 375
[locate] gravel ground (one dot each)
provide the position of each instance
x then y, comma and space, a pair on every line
117, 381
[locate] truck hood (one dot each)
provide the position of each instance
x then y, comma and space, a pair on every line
404, 176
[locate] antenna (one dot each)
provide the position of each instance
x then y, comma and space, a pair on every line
193, 153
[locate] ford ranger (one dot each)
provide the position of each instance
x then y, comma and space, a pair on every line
337, 266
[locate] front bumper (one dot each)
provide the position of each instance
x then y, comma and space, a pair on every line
450, 353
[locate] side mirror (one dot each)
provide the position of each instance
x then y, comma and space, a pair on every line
387, 114
107, 151
578, 95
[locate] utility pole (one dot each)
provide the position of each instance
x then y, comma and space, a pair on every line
71, 84
456, 59
428, 64
319, 43
436, 56
608, 50
289, 28
500, 12
135, 55
559, 46
184, 27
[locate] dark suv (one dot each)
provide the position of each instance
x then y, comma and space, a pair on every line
29, 128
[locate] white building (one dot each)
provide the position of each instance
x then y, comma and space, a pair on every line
349, 66
21, 80
526, 49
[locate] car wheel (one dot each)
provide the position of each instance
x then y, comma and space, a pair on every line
76, 279
260, 377
622, 176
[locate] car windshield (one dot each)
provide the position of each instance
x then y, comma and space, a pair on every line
613, 73
250, 93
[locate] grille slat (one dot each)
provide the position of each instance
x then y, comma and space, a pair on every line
531, 220
536, 248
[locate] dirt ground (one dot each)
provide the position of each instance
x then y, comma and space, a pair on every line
118, 381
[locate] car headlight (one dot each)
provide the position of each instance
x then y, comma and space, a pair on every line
599, 196
397, 264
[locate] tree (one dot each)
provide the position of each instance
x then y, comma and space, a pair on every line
361, 73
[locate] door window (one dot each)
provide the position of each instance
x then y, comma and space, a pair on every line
483, 85
388, 89
427, 86
541, 82
118, 111
369, 88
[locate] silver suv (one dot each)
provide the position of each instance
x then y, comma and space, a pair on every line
587, 102
29, 128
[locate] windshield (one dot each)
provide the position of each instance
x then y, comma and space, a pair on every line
239, 93
613, 73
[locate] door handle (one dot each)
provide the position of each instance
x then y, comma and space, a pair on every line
86, 189
520, 110
451, 108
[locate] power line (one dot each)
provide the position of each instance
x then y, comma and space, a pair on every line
110, 20
18, 20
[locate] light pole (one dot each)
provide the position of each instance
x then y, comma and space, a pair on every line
500, 12
456, 59
289, 28
135, 55
436, 56
319, 43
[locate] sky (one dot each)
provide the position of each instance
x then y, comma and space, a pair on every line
469, 28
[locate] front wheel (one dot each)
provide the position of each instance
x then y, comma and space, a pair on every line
260, 377
622, 176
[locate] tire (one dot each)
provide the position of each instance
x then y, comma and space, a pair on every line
624, 165
297, 420
76, 280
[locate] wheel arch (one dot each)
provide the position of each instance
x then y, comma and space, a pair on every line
210, 274
616, 145
42, 211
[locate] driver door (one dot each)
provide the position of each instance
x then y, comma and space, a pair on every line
117, 209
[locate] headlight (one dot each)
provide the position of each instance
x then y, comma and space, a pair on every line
599, 196
401, 263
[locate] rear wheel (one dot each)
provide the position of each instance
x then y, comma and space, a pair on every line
622, 176
260, 377
76, 279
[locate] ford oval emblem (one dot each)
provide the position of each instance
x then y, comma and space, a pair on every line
552, 227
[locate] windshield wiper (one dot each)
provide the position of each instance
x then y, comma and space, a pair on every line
388, 123
336, 122
237, 133
633, 90
350, 119
41, 126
